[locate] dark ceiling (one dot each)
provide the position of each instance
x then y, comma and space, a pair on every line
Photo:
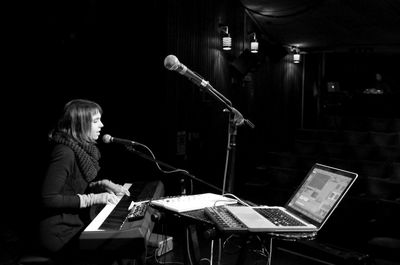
324, 25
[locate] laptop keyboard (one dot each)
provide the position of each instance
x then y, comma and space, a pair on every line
278, 217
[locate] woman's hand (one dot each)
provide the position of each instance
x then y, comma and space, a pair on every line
116, 189
87, 200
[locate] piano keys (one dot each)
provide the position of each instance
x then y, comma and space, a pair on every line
111, 231
98, 221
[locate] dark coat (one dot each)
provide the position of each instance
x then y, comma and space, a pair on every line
62, 217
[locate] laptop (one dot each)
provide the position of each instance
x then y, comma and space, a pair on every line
310, 206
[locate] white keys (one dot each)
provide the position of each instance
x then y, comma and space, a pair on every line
105, 212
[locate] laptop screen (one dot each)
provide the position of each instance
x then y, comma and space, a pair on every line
320, 192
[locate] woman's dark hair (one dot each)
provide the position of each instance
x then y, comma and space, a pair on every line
77, 118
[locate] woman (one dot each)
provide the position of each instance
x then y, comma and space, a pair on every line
69, 183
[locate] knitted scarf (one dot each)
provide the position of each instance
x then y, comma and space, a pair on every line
87, 154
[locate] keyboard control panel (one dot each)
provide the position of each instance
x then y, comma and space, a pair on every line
224, 220
137, 211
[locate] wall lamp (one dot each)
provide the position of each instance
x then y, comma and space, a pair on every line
253, 43
296, 54
226, 38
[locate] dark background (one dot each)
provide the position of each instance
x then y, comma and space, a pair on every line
113, 53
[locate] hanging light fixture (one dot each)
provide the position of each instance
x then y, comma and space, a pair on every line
253, 43
226, 39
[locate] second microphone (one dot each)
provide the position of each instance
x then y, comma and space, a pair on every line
109, 139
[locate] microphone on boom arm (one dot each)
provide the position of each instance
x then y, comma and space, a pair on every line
109, 139
172, 63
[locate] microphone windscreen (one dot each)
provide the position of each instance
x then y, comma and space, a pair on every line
107, 138
171, 62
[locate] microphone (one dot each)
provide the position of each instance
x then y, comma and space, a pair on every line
172, 63
109, 139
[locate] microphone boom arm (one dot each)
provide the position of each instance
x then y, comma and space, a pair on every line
215, 93
238, 117
171, 167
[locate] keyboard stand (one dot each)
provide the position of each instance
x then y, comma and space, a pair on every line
194, 219
270, 238
192, 247
226, 224
190, 220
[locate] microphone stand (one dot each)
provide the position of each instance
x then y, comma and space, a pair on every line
235, 119
130, 148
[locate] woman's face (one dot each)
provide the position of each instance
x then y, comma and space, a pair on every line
96, 126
